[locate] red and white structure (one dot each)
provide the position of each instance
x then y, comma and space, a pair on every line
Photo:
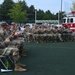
69, 21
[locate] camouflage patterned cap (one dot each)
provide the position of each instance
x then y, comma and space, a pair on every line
3, 24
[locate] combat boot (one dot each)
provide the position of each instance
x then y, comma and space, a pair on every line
19, 68
23, 53
21, 65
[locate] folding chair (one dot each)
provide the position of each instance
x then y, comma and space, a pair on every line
2, 57
4, 60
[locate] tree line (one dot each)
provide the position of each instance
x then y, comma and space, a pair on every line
20, 11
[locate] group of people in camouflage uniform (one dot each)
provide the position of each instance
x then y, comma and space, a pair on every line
12, 43
12, 39
48, 34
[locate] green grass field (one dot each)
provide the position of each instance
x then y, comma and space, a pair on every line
48, 59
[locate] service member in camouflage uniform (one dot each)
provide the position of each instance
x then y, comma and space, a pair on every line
18, 41
7, 50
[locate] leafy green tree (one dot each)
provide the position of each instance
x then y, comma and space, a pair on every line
20, 12
48, 15
17, 14
60, 15
40, 14
4, 9
73, 6
31, 12
25, 7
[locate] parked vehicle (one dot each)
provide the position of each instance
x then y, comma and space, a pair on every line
69, 21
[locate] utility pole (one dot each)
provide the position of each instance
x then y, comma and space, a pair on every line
61, 12
58, 17
61, 5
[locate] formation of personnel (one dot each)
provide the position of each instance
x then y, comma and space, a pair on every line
48, 34
12, 42
12, 39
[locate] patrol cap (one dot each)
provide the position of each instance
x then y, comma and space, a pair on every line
12, 23
3, 24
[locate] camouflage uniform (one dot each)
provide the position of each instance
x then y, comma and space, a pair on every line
57, 35
35, 34
27, 33
5, 49
49, 35
18, 41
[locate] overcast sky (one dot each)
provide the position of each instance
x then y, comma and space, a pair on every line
53, 5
